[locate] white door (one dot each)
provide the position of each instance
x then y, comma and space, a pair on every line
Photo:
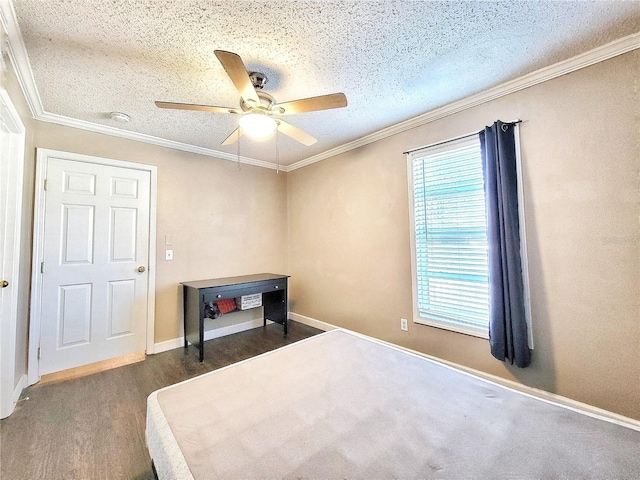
95, 268
12, 135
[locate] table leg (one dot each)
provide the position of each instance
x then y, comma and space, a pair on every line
184, 318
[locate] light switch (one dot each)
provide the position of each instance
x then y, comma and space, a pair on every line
168, 254
168, 239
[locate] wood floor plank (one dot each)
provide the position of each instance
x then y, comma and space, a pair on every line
93, 427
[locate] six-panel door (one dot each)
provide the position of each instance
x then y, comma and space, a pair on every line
96, 249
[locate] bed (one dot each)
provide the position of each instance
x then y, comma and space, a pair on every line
341, 405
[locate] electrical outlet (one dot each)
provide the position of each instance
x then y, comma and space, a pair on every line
404, 325
168, 254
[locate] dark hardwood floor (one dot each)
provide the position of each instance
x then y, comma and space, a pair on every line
93, 427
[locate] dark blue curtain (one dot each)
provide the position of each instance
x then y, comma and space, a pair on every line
507, 322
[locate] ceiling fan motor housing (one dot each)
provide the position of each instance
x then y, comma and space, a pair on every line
266, 102
258, 79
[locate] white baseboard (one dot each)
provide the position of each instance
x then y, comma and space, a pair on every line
236, 328
312, 322
22, 384
525, 389
210, 334
167, 345
10, 407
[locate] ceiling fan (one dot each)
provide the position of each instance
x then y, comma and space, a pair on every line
260, 112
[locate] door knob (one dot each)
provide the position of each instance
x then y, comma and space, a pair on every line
141, 269
4, 284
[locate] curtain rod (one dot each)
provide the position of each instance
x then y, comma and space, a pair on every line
451, 139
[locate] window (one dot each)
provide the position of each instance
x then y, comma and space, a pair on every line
449, 241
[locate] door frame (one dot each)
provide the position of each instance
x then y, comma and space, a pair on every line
42, 158
10, 389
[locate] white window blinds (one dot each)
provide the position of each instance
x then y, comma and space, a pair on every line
450, 241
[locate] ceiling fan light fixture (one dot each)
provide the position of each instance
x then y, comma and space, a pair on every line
257, 125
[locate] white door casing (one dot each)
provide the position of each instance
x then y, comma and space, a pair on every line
94, 229
12, 137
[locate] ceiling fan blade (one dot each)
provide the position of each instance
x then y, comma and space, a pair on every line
233, 65
295, 133
203, 108
323, 102
233, 138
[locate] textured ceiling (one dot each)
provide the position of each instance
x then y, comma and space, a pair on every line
393, 60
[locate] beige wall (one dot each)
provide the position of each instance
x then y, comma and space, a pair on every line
349, 249
223, 221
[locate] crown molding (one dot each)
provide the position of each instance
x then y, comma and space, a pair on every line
599, 54
141, 137
20, 60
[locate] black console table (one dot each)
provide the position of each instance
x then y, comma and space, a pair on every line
273, 288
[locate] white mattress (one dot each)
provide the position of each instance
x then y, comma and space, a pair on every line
163, 448
339, 405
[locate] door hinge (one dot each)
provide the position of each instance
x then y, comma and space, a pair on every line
39, 353
41, 267
45, 183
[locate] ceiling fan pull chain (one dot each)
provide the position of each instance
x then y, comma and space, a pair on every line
277, 154
239, 135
